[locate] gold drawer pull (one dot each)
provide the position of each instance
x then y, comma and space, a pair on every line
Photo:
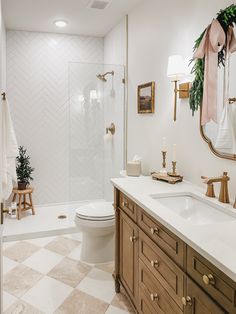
154, 263
208, 279
154, 297
132, 238
124, 204
154, 230
186, 301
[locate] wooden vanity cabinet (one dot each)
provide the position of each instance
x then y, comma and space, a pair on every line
162, 274
129, 255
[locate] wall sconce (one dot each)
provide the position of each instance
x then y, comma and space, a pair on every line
176, 71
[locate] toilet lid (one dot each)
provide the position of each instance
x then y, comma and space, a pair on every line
96, 211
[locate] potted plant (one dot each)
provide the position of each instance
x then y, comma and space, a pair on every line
23, 169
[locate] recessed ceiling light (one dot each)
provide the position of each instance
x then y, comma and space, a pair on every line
61, 23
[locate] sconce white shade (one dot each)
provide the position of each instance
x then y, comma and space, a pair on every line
176, 68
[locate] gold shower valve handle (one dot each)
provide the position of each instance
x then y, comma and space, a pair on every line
154, 230
208, 280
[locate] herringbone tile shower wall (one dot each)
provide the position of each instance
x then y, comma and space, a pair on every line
38, 93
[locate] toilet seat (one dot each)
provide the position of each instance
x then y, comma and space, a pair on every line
99, 211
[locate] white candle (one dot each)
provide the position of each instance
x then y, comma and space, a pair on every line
174, 153
164, 144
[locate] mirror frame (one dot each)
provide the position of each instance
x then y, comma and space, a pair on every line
211, 146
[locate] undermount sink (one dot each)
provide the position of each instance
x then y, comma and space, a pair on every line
193, 208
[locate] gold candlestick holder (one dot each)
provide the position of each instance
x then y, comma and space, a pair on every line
163, 170
173, 173
164, 159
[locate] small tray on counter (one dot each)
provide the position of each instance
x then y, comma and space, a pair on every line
169, 179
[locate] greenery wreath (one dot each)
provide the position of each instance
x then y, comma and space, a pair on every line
226, 18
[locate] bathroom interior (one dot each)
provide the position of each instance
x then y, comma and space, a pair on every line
118, 156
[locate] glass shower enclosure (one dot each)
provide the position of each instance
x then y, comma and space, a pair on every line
95, 101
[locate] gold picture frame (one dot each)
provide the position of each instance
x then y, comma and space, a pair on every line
146, 98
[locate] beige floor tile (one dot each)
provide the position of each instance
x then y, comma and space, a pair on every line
20, 251
80, 302
121, 301
108, 267
20, 279
69, 271
21, 307
62, 245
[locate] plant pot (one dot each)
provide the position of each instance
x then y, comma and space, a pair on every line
22, 185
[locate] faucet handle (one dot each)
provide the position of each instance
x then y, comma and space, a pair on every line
210, 187
225, 176
235, 204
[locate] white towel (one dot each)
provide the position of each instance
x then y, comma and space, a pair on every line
9, 152
225, 137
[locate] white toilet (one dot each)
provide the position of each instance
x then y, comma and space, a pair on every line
96, 221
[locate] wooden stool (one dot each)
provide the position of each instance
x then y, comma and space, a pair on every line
22, 206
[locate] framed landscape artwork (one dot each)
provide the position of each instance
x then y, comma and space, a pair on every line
146, 98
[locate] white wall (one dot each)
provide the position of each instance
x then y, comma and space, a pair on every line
2, 53
158, 29
114, 59
37, 83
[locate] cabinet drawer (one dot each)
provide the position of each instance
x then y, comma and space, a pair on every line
212, 280
128, 206
162, 267
155, 294
167, 241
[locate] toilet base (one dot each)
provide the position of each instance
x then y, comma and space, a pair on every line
97, 249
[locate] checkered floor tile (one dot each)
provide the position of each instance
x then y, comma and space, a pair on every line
45, 276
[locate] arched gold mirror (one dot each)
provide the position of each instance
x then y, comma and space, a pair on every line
214, 87
221, 136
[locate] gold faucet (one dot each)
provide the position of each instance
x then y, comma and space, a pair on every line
235, 204
224, 193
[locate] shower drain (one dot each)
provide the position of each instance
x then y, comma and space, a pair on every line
62, 217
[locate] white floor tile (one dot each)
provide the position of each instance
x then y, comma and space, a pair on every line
8, 244
8, 264
75, 254
41, 241
43, 260
8, 300
75, 236
47, 295
99, 284
115, 310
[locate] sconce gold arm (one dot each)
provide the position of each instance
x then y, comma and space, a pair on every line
183, 91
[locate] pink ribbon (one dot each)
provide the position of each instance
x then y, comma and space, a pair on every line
212, 43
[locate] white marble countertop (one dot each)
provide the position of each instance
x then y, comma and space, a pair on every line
215, 241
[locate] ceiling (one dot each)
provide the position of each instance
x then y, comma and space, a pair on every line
39, 15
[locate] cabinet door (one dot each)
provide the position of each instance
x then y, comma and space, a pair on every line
198, 302
128, 254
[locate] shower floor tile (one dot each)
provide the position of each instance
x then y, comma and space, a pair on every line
69, 287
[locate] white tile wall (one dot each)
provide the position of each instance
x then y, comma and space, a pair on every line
37, 86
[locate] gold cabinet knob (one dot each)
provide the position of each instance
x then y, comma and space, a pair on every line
154, 297
208, 279
186, 301
124, 204
154, 230
154, 263
132, 238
